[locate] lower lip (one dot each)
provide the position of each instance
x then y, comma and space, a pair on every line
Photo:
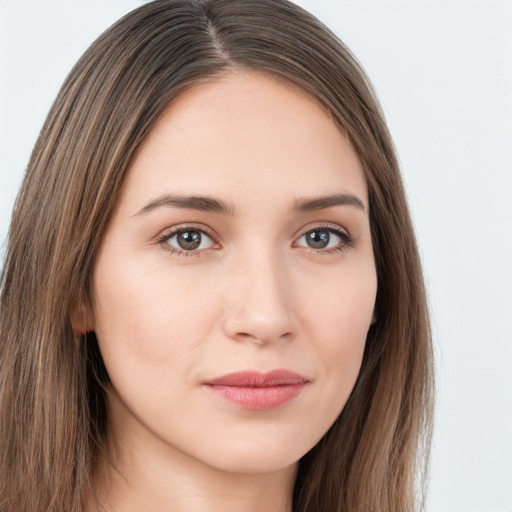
258, 398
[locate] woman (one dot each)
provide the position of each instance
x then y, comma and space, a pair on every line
212, 297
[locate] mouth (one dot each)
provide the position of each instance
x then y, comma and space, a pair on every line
258, 391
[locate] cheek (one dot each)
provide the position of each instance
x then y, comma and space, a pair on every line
339, 305
338, 318
141, 310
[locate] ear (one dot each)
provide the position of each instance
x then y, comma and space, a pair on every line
374, 318
82, 317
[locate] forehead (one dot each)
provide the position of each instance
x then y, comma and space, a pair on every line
245, 131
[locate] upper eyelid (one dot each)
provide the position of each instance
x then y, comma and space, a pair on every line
326, 225
323, 225
173, 230
210, 232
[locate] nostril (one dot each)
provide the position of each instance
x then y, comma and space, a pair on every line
262, 338
250, 337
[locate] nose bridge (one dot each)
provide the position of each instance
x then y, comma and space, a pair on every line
259, 308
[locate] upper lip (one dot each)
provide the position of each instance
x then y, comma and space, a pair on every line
257, 379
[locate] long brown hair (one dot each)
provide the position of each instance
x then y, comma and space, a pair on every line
52, 400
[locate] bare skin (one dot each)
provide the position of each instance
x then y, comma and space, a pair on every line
271, 269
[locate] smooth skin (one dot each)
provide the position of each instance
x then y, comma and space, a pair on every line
257, 280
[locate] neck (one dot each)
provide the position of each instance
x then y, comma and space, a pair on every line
183, 491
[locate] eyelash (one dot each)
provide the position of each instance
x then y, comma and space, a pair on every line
347, 241
167, 235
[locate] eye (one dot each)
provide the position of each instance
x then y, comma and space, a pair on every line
327, 239
187, 240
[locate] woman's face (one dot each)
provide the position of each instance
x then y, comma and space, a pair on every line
240, 244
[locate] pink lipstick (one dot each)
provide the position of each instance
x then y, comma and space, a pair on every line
258, 391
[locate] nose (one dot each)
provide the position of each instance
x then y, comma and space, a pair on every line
259, 301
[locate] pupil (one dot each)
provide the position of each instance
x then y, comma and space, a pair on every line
318, 239
189, 240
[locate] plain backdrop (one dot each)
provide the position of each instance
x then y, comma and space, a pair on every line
443, 72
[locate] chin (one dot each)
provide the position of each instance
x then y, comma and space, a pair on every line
262, 462
261, 454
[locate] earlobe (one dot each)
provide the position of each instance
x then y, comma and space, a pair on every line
82, 318
374, 319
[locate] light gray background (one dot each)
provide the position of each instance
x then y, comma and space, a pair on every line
443, 71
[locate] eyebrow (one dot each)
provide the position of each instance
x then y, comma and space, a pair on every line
212, 205
321, 203
200, 203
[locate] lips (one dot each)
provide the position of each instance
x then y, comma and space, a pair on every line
258, 391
